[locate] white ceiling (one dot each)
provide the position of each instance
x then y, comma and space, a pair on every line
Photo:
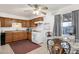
18, 9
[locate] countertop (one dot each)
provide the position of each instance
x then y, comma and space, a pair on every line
14, 31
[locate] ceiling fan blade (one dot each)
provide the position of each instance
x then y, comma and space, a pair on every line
44, 8
30, 5
43, 12
36, 6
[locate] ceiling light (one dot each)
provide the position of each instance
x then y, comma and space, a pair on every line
36, 12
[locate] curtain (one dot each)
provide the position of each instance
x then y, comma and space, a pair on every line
57, 25
75, 19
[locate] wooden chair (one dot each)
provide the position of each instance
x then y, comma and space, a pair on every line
57, 46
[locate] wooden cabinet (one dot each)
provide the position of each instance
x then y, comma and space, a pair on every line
18, 21
35, 20
24, 35
29, 36
38, 19
28, 23
32, 23
24, 23
7, 22
0, 22
19, 36
8, 37
15, 36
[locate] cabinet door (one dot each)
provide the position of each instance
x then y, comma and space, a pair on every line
18, 21
8, 22
29, 36
8, 37
33, 23
28, 23
2, 20
24, 23
16, 36
38, 19
24, 35
19, 36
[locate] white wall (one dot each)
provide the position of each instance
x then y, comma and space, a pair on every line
66, 9
49, 18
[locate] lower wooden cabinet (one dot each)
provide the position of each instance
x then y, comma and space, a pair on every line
29, 36
24, 35
8, 37
19, 36
15, 36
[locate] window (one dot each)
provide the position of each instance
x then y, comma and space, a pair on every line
67, 26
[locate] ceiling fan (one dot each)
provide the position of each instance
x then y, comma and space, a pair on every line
38, 9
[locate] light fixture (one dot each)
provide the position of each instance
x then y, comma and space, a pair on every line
37, 11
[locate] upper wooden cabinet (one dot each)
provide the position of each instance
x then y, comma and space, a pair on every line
27, 23
0, 22
7, 22
24, 23
35, 20
38, 19
33, 23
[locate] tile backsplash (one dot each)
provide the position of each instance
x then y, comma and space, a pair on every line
3, 29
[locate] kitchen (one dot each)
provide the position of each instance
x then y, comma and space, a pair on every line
15, 29
21, 23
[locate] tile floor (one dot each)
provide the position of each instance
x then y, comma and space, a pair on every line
6, 49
